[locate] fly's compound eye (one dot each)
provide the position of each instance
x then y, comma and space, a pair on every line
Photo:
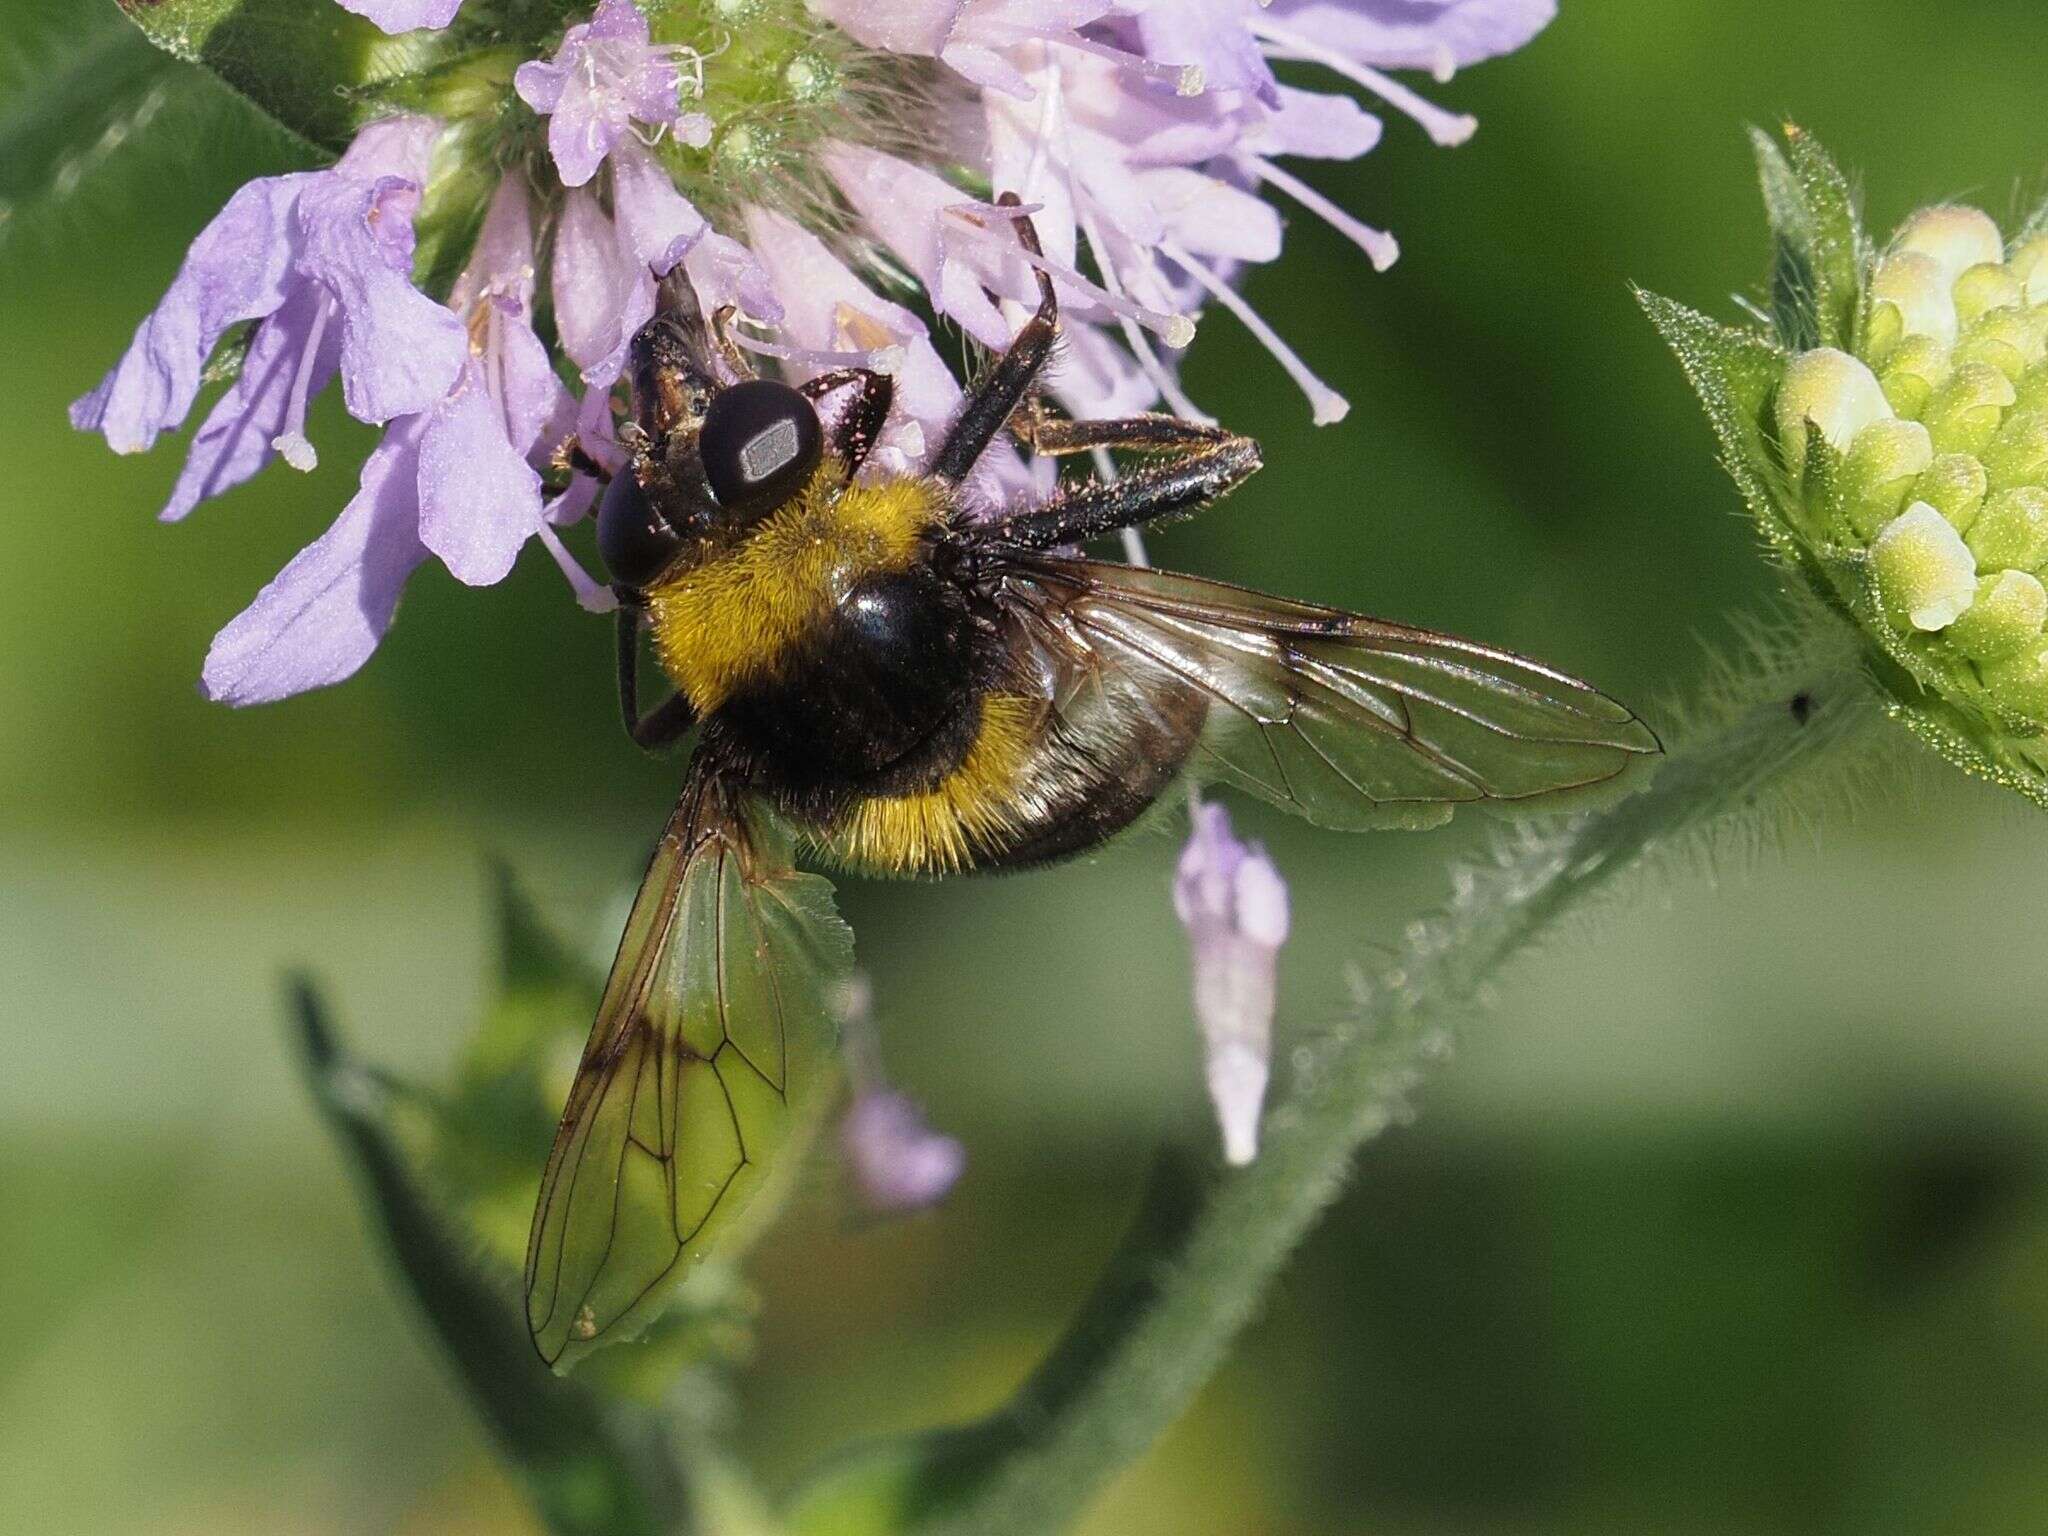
634, 540
760, 442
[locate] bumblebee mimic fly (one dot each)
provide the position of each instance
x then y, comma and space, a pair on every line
879, 680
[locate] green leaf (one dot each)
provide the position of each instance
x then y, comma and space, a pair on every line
1839, 251
1734, 372
1817, 243
594, 1468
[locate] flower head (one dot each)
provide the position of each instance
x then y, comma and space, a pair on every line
1233, 904
898, 1163
815, 179
1890, 432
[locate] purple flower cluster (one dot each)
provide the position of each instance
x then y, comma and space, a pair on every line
1141, 136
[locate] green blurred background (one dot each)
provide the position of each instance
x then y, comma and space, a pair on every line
1732, 1218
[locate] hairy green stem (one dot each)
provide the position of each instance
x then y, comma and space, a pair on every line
1193, 1267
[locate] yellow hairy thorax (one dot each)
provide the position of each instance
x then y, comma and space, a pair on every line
936, 831
735, 618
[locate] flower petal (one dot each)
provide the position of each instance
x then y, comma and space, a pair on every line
658, 221
479, 499
405, 15
603, 292
400, 351
1399, 34
322, 616
235, 441
238, 269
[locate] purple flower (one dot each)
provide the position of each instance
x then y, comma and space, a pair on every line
899, 1163
607, 73
456, 480
323, 259
1233, 904
405, 15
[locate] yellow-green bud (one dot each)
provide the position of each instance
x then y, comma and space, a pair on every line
1910, 296
1964, 413
2032, 392
1956, 236
2029, 263
2020, 683
1955, 485
1925, 574
2019, 454
1885, 461
2011, 533
1833, 391
1913, 372
2010, 340
2006, 617
1984, 288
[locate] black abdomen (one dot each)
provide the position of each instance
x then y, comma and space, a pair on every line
881, 702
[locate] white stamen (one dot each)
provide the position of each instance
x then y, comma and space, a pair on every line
1186, 79
1329, 406
292, 444
1381, 248
591, 596
1141, 348
1446, 128
1443, 64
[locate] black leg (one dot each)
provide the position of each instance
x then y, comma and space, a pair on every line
661, 726
992, 401
1181, 484
862, 424
1056, 436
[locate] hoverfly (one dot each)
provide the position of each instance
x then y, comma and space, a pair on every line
909, 692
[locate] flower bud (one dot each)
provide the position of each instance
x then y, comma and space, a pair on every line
2029, 263
1984, 288
1833, 391
1912, 374
2031, 394
1910, 296
1964, 413
1956, 236
2011, 533
1955, 486
1925, 573
1886, 460
2005, 618
2010, 340
2020, 683
2019, 454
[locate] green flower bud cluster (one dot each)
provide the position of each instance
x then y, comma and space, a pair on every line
1890, 433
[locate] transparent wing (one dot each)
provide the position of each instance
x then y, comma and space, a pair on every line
1348, 721
712, 1042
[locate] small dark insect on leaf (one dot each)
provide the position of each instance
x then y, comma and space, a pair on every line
1802, 707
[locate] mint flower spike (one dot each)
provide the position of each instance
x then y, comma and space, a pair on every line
805, 166
1890, 434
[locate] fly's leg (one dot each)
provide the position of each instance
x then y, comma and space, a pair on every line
661, 726
1193, 465
854, 438
999, 394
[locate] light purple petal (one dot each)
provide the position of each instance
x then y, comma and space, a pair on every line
322, 616
238, 269
899, 1163
1401, 34
500, 264
1327, 126
540, 84
896, 26
396, 16
400, 351
603, 293
235, 441
722, 272
479, 499
392, 146
1097, 379
1212, 35
658, 221
619, 21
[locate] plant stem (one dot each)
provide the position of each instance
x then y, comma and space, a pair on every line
1191, 1270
